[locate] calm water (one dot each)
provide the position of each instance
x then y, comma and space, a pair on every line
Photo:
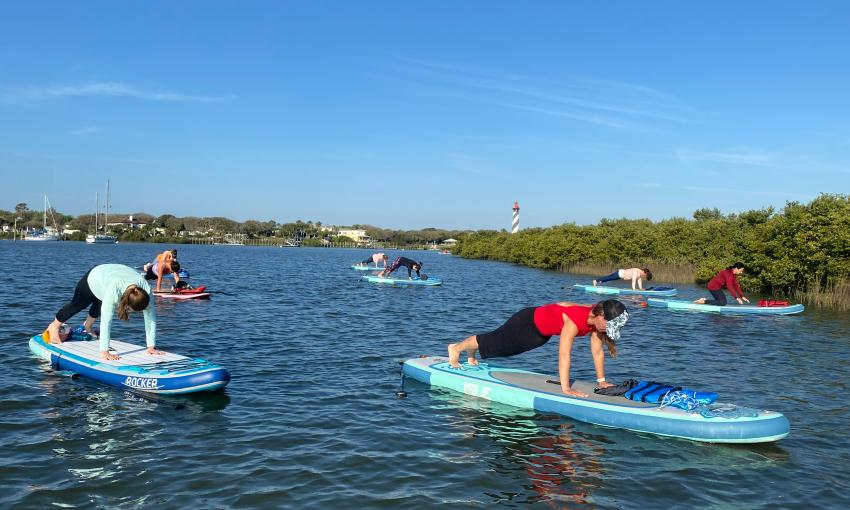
311, 419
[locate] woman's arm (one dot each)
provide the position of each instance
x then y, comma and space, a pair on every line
568, 334
598, 359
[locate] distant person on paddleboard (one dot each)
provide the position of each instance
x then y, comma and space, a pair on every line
634, 274
164, 263
410, 264
532, 327
108, 289
375, 258
726, 278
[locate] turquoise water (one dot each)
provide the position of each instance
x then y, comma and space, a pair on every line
311, 419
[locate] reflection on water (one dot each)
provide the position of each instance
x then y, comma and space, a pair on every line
563, 466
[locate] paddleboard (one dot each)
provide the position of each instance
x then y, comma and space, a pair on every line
389, 280
135, 369
677, 304
601, 289
531, 390
181, 294
358, 267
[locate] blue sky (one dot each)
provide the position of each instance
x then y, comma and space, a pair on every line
424, 114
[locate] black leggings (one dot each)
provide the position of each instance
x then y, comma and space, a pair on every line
719, 298
517, 335
83, 297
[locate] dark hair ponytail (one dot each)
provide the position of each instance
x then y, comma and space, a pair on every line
737, 265
648, 273
134, 298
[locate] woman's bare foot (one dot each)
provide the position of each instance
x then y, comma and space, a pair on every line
470, 357
700, 301
454, 356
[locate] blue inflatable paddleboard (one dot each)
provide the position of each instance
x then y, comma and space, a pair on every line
601, 289
531, 390
136, 369
389, 280
677, 304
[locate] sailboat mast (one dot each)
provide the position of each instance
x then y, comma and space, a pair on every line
96, 210
106, 210
45, 213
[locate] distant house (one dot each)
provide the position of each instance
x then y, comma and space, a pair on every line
127, 222
358, 235
450, 242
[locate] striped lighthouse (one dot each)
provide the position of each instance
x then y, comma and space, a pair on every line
515, 224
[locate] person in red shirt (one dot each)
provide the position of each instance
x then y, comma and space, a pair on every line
532, 327
726, 278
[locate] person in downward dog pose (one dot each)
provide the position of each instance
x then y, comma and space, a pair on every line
410, 264
108, 289
532, 327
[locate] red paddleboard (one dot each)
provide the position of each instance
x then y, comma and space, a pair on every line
196, 293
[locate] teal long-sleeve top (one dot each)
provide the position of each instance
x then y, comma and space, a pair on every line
108, 283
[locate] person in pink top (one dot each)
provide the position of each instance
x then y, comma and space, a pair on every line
375, 258
532, 327
726, 278
634, 274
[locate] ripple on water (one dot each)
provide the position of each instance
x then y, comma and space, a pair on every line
311, 419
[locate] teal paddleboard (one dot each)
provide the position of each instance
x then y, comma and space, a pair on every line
430, 282
621, 291
680, 305
530, 390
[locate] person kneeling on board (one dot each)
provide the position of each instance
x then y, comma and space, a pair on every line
410, 264
109, 288
532, 327
725, 278
165, 263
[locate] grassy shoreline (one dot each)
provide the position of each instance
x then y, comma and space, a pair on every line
834, 297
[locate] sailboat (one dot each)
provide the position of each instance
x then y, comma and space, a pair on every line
101, 238
46, 233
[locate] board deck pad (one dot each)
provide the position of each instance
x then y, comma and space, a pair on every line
130, 354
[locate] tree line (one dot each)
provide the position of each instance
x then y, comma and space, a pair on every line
169, 227
800, 249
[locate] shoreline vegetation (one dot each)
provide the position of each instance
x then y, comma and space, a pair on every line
801, 252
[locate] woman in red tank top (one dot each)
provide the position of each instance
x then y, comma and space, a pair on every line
532, 327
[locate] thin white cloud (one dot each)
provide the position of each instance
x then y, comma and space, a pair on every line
105, 89
602, 102
84, 131
739, 157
